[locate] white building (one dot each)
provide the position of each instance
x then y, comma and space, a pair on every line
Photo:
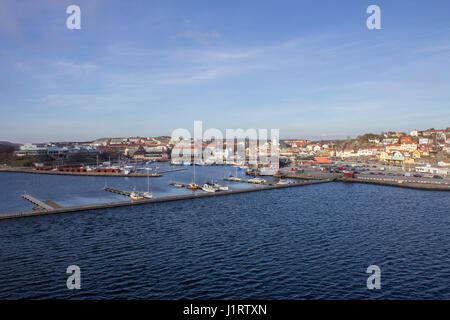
365, 152
433, 170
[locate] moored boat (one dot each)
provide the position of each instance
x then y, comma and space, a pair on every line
208, 188
136, 196
192, 186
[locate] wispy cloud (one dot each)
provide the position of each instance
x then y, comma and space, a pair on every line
197, 36
76, 69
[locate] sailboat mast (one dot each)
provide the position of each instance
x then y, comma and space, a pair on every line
148, 181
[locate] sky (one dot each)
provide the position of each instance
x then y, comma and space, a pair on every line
311, 69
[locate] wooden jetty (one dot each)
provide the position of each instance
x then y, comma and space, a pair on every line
45, 205
173, 170
123, 193
155, 200
179, 185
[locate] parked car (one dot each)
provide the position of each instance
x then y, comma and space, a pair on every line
418, 175
437, 177
381, 174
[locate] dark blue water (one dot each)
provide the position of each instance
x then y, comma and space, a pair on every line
310, 242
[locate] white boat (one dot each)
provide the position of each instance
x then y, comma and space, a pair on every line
282, 182
234, 179
136, 196
193, 185
256, 181
148, 195
208, 188
219, 187
176, 162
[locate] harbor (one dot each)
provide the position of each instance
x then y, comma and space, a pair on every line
179, 183
194, 195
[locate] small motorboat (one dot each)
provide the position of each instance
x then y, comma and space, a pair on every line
208, 188
148, 195
136, 196
192, 186
219, 187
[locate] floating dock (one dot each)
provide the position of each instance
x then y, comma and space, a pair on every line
155, 200
123, 193
41, 205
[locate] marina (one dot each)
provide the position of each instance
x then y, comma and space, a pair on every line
185, 181
49, 211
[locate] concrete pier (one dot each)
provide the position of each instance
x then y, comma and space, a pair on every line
405, 183
155, 200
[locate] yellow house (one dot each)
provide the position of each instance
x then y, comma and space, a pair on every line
416, 154
408, 161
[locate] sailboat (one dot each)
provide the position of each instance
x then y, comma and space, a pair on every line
136, 195
193, 185
148, 194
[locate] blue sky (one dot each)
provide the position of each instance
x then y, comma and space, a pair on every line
309, 68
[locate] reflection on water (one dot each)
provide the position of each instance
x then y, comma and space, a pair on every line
309, 242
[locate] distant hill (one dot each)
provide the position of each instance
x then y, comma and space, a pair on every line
9, 144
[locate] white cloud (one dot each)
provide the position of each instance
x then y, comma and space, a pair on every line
75, 69
197, 36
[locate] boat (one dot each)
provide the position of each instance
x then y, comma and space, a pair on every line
179, 185
148, 195
236, 179
256, 181
219, 187
176, 162
192, 186
208, 188
136, 196
283, 182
